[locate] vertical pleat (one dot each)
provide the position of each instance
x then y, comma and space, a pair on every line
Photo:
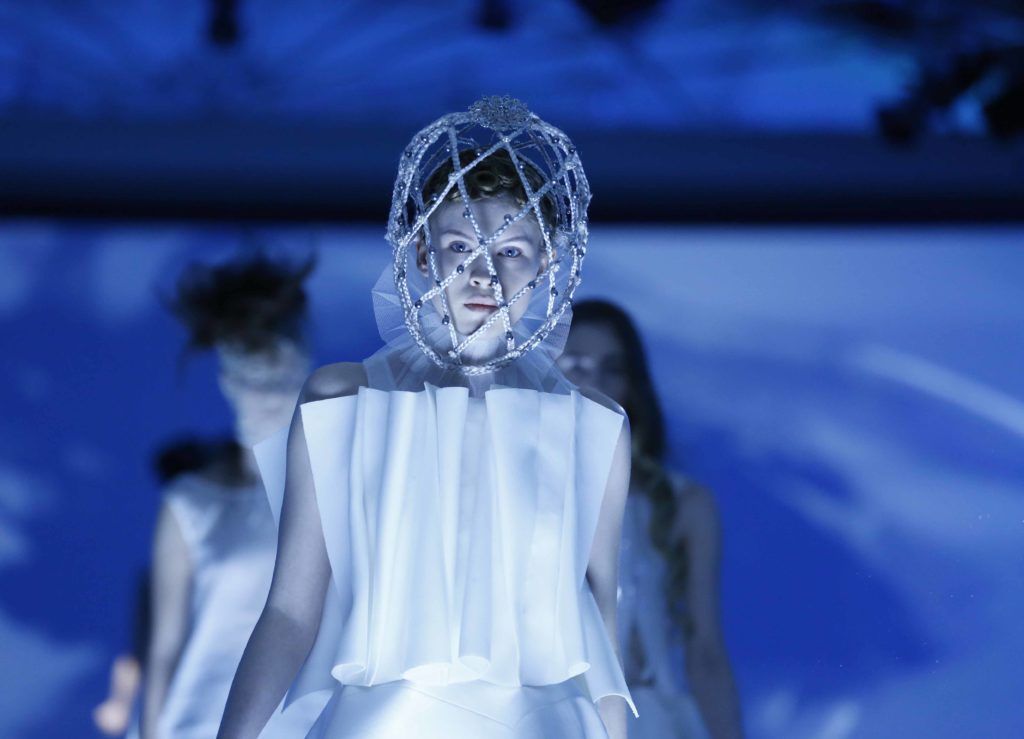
363, 464
412, 610
449, 421
514, 429
394, 438
476, 540
459, 530
545, 567
330, 430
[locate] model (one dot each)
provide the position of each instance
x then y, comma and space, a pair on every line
215, 540
451, 507
668, 595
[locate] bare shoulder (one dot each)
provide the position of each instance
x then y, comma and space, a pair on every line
333, 381
696, 509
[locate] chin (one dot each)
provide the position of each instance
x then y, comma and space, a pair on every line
468, 325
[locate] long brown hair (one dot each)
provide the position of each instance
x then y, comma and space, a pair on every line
648, 432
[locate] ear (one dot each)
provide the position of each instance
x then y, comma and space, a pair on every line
421, 254
544, 261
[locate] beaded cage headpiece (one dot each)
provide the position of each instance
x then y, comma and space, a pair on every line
557, 194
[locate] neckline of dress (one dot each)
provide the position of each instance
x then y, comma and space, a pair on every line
197, 479
428, 387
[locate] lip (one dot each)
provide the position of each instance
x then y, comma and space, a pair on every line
480, 307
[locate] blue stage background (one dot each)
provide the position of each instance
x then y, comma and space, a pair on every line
852, 395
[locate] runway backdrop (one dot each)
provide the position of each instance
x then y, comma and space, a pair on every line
853, 396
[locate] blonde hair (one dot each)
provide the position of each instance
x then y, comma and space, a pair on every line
494, 176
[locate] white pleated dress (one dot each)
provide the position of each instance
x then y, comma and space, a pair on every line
458, 530
231, 538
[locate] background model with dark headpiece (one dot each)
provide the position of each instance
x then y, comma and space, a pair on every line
215, 540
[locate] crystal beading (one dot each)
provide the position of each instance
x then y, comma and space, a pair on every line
532, 145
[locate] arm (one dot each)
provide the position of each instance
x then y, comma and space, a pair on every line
172, 582
111, 716
603, 569
288, 625
707, 662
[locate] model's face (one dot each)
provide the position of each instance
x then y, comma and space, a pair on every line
263, 389
595, 358
518, 256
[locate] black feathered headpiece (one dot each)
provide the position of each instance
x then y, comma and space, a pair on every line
249, 303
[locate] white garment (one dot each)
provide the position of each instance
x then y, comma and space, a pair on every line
651, 649
402, 709
458, 530
232, 541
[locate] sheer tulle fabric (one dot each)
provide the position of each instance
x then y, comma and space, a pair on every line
458, 530
402, 365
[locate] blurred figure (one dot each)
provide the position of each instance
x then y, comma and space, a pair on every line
215, 539
668, 578
120, 710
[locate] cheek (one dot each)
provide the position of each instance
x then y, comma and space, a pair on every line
513, 279
515, 273
446, 260
458, 284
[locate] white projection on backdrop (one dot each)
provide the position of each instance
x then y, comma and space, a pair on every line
943, 530
124, 274
37, 670
884, 361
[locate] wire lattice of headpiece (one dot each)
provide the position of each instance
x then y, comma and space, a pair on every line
556, 196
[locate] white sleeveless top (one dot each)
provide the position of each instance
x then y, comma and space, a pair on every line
231, 541
458, 530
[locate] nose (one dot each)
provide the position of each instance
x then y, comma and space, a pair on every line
478, 274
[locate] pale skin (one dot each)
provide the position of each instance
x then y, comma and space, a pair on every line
595, 357
172, 570
112, 716
287, 628
518, 256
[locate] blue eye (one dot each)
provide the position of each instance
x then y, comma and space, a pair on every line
458, 246
511, 252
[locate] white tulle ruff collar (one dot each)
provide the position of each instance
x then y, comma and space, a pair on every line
403, 365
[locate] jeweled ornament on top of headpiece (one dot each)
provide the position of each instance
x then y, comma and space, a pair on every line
500, 112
